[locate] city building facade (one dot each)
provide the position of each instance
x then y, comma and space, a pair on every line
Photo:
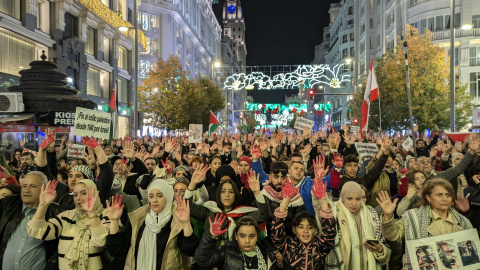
373, 28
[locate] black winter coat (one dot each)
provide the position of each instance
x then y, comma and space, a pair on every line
226, 257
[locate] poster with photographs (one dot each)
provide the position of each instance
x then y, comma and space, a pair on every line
449, 251
195, 133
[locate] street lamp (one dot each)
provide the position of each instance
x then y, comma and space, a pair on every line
215, 64
467, 27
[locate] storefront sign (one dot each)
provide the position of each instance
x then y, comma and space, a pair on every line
16, 128
92, 123
56, 129
61, 118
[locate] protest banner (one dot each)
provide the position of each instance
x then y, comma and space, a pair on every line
195, 133
92, 123
301, 123
407, 144
457, 250
354, 129
366, 149
75, 151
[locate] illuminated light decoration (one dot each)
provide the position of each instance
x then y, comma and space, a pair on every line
312, 74
282, 119
112, 18
262, 118
319, 112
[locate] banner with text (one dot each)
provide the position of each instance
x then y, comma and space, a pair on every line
92, 123
301, 123
366, 149
75, 151
448, 251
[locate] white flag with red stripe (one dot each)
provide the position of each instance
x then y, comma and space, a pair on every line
371, 94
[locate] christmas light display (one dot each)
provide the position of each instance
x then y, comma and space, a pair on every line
310, 74
282, 114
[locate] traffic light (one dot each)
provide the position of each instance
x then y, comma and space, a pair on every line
355, 121
311, 93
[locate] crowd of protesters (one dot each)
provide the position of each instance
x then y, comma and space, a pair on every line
243, 201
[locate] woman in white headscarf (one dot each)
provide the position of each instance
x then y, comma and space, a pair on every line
154, 238
82, 232
359, 243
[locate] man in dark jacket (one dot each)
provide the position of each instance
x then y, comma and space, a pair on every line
17, 250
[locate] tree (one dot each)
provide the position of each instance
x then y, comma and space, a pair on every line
429, 87
173, 100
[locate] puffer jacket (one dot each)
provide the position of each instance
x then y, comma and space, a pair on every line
228, 256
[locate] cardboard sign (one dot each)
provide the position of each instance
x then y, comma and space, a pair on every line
366, 149
195, 133
75, 151
407, 144
31, 151
301, 123
354, 129
92, 123
458, 250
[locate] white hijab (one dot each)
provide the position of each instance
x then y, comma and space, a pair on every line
154, 223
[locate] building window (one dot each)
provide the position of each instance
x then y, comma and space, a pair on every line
372, 42
350, 22
122, 88
439, 23
350, 10
93, 82
233, 29
474, 56
91, 41
11, 8
363, 28
371, 23
344, 53
71, 26
352, 51
179, 36
123, 58
145, 21
154, 21
475, 84
154, 47
390, 18
362, 47
476, 21
15, 54
352, 36
430, 24
379, 41
423, 26
344, 39
107, 45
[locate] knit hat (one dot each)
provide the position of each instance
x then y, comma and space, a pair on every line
350, 187
247, 159
85, 170
225, 170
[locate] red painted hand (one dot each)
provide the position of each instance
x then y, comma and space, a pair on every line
288, 189
216, 227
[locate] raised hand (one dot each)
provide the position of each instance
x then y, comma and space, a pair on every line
115, 210
89, 204
90, 158
254, 182
319, 189
387, 205
48, 193
49, 139
5, 171
288, 188
169, 144
182, 210
216, 227
256, 153
90, 142
338, 160
199, 174
129, 150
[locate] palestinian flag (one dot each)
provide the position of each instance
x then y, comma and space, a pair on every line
214, 124
112, 109
458, 136
244, 123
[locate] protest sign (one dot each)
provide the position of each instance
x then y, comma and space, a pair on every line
75, 151
456, 250
195, 133
31, 151
301, 123
407, 144
366, 149
354, 129
92, 123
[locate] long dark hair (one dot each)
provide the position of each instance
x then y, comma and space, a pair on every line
238, 199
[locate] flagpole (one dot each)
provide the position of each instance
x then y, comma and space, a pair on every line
380, 110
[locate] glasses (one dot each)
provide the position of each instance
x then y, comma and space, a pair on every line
277, 171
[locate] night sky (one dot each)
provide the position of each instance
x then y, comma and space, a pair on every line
281, 32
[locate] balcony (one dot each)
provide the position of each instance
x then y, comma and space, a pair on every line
445, 34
